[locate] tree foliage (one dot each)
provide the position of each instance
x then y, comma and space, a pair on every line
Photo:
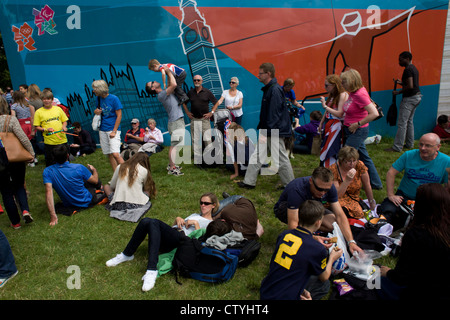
5, 78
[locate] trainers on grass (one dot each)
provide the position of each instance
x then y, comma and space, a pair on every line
175, 172
3, 281
149, 280
27, 216
118, 259
176, 167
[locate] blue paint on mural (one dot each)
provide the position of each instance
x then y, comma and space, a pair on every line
114, 40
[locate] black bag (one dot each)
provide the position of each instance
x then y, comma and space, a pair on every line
360, 290
193, 260
367, 238
380, 111
246, 251
391, 117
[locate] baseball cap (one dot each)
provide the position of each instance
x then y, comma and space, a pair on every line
135, 120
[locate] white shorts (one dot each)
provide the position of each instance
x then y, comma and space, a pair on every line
109, 145
177, 131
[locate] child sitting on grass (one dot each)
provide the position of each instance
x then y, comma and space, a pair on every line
298, 258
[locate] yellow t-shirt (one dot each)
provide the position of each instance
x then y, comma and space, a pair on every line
51, 118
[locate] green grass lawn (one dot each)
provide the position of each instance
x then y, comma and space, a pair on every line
44, 254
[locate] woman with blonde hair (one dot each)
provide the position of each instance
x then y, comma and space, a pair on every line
233, 100
34, 96
359, 111
350, 175
110, 108
131, 189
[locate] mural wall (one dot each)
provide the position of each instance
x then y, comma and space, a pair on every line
65, 45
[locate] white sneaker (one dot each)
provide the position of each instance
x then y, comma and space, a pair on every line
118, 259
3, 281
176, 167
149, 279
175, 172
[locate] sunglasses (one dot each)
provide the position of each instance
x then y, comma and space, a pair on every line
232, 82
204, 203
319, 189
197, 80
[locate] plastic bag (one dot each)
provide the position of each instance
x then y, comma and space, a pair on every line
96, 122
340, 264
361, 265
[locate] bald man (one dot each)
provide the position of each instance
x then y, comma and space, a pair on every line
419, 166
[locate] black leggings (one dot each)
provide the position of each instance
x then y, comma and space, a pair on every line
12, 187
162, 238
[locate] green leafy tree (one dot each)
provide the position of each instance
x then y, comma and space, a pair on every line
5, 78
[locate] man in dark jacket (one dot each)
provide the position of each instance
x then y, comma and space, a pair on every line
274, 125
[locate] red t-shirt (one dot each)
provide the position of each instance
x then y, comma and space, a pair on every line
441, 132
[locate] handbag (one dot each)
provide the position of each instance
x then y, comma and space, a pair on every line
380, 111
15, 151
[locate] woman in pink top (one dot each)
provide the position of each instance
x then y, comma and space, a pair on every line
359, 110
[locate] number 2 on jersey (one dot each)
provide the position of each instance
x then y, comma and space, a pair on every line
285, 250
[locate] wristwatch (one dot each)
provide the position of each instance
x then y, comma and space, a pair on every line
212, 111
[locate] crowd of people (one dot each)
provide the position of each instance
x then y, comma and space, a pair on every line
310, 206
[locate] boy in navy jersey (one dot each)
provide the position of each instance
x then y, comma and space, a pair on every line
297, 257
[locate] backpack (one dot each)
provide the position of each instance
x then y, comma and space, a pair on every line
193, 260
65, 109
246, 251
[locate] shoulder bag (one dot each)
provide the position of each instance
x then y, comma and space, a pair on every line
380, 111
15, 151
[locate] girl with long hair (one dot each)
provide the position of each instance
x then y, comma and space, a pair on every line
131, 189
238, 151
34, 96
24, 112
332, 119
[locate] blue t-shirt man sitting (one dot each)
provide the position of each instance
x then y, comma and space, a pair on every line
75, 184
420, 166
